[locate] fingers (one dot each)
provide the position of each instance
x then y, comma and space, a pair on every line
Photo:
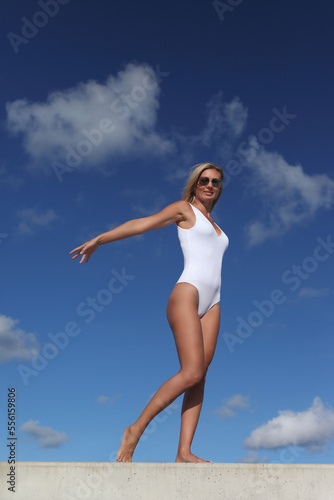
78, 252
75, 256
85, 256
76, 249
82, 251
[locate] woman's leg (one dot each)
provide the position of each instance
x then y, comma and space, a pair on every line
186, 326
193, 398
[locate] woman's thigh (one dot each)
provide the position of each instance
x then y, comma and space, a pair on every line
210, 323
185, 323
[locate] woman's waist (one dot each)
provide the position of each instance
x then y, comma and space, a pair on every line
208, 279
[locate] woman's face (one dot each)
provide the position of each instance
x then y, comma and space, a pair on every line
208, 185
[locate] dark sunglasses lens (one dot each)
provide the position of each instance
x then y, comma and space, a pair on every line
204, 181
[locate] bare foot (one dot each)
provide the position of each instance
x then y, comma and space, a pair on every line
128, 444
189, 457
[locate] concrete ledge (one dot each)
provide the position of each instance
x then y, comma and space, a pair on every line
167, 481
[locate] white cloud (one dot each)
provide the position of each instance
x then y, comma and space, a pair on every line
45, 436
53, 129
14, 342
66, 127
311, 429
103, 400
31, 219
309, 292
232, 405
290, 196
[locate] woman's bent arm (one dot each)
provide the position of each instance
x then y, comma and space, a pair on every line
175, 212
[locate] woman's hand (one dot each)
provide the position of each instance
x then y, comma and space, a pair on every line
85, 250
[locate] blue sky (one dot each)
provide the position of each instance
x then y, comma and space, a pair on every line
105, 107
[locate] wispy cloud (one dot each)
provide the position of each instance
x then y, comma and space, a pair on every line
311, 429
232, 405
9, 180
308, 292
46, 437
225, 122
253, 458
139, 201
107, 400
14, 342
226, 119
31, 219
289, 195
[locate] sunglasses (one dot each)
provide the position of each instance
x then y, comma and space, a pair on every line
204, 181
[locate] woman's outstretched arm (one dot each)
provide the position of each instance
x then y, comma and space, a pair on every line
175, 212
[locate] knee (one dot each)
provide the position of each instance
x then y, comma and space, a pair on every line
193, 377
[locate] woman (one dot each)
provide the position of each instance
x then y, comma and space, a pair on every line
193, 310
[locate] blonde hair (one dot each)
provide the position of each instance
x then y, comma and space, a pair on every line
195, 173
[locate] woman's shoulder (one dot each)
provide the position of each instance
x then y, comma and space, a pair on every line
183, 207
183, 204
180, 206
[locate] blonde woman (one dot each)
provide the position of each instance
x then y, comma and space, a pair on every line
193, 310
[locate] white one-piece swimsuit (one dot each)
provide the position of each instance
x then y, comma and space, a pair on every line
203, 251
